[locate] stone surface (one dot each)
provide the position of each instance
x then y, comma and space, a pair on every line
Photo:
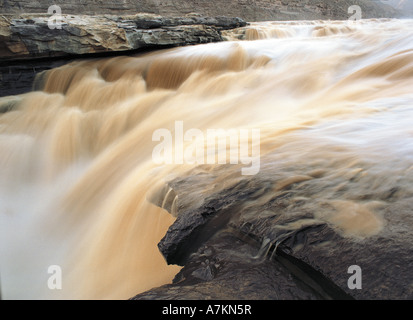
251, 239
28, 46
17, 77
29, 36
227, 267
251, 10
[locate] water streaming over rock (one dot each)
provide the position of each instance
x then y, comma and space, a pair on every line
333, 102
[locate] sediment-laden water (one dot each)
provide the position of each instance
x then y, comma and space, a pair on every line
333, 103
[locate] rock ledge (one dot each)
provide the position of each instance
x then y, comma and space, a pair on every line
29, 36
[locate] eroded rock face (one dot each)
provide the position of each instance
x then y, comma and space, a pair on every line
290, 231
29, 36
257, 10
253, 254
227, 267
27, 43
17, 77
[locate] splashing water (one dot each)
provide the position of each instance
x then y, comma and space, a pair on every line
332, 99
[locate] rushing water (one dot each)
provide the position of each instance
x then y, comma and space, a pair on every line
331, 99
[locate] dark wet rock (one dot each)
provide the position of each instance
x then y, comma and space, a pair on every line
238, 273
288, 215
206, 272
195, 226
19, 77
28, 46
